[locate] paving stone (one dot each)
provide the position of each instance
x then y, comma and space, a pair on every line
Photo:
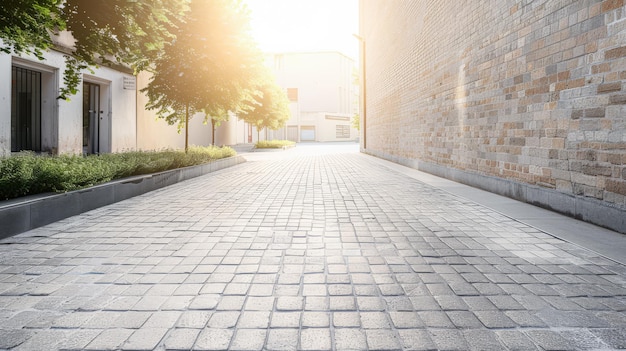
44, 339
194, 319
254, 319
374, 320
315, 303
315, 319
181, 339
585, 319
145, 339
583, 339
406, 320
482, 340
370, 303
382, 339
132, 319
223, 319
435, 319
259, 303
416, 339
78, 340
516, 340
549, 339
464, 320
448, 339
162, 319
282, 340
613, 337
249, 339
231, 303
289, 303
350, 339
110, 339
213, 339
342, 303
451, 303
14, 337
315, 339
286, 319
525, 319
346, 319
73, 320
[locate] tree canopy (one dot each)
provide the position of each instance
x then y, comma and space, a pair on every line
269, 108
129, 32
212, 65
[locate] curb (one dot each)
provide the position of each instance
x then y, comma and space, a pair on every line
18, 216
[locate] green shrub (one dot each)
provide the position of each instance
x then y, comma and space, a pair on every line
273, 144
27, 173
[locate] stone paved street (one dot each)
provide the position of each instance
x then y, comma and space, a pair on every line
314, 248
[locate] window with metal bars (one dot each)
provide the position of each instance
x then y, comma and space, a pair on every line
25, 109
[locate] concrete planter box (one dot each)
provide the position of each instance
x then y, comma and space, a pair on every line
23, 214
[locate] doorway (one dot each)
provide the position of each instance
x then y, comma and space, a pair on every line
92, 115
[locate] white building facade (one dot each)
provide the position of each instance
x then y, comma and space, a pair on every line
99, 118
108, 113
322, 94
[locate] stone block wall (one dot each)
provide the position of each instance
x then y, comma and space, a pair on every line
525, 95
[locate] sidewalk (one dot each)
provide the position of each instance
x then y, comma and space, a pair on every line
314, 248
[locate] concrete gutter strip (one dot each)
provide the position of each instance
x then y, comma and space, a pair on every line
20, 215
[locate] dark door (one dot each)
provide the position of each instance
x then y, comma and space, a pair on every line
91, 118
25, 109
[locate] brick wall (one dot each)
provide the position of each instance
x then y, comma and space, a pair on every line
529, 92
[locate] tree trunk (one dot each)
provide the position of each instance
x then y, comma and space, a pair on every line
186, 127
212, 131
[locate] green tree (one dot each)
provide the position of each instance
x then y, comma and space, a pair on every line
106, 32
269, 108
211, 66
216, 116
356, 121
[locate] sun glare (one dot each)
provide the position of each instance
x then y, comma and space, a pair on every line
305, 25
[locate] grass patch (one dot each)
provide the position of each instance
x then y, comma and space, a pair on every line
273, 144
28, 174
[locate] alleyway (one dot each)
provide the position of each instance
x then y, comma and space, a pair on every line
313, 248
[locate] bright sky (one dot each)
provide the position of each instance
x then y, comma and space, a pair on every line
306, 25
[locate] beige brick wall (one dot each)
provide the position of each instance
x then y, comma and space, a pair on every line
529, 91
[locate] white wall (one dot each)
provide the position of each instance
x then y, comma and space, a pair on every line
154, 133
5, 104
323, 79
62, 119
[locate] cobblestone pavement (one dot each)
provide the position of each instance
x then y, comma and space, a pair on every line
297, 250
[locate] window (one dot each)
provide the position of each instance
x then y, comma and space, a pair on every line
25, 109
292, 94
343, 131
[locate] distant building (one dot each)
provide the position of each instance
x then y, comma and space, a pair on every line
322, 91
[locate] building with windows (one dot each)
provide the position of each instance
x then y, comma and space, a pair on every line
106, 115
100, 118
322, 91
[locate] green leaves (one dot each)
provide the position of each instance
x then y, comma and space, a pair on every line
128, 32
25, 26
210, 66
269, 108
